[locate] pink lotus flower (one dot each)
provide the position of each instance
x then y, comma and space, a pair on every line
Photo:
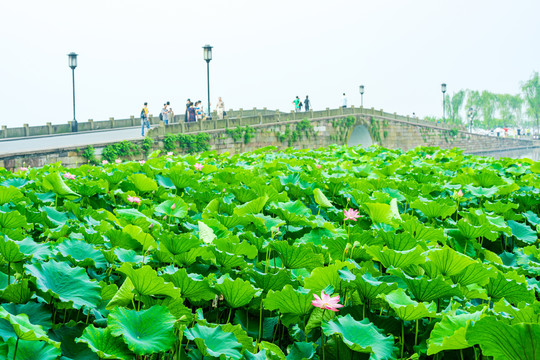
141, 162
173, 206
104, 162
351, 214
69, 176
460, 193
134, 199
170, 153
428, 156
519, 165
23, 168
198, 166
118, 161
326, 302
318, 166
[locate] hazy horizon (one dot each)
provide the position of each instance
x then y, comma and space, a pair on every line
264, 55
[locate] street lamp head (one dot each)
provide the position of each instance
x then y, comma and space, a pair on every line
362, 89
207, 52
72, 60
443, 88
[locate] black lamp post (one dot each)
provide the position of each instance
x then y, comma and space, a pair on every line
443, 89
72, 61
207, 57
362, 95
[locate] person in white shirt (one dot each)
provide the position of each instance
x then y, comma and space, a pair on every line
344, 100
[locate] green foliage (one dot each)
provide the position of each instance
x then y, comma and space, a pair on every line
246, 133
302, 128
124, 149
188, 144
89, 154
167, 260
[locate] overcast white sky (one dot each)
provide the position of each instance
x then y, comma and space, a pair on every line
265, 53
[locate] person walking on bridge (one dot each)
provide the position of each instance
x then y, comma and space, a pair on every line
144, 118
220, 108
307, 104
296, 103
344, 101
165, 114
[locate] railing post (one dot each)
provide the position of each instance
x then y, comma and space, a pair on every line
111, 119
91, 121
278, 113
132, 118
49, 128
4, 131
26, 130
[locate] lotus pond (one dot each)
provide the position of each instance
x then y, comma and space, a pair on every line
335, 253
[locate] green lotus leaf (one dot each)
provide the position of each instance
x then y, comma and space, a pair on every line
273, 352
294, 213
146, 240
369, 287
400, 242
233, 245
523, 232
397, 259
289, 301
18, 293
54, 217
450, 333
408, 309
214, 341
448, 261
531, 217
535, 167
55, 183
236, 293
143, 183
134, 215
147, 282
252, 207
10, 194
434, 209
501, 287
164, 181
176, 208
361, 336
297, 257
503, 341
123, 296
228, 260
425, 290
244, 195
66, 283
476, 273
10, 250
240, 334
380, 213
470, 231
181, 178
81, 253
500, 207
23, 329
316, 318
302, 351
177, 244
104, 344
524, 313
192, 286
12, 220
271, 281
482, 191
32, 350
321, 199
144, 332
206, 233
321, 277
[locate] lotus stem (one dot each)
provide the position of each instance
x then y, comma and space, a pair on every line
9, 273
402, 338
416, 334
322, 336
16, 346
229, 317
461, 353
261, 321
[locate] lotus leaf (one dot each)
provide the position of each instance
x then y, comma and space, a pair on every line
408, 309
66, 283
236, 293
361, 336
289, 301
104, 344
214, 341
144, 332
147, 282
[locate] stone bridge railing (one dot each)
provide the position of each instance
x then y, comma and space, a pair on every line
240, 116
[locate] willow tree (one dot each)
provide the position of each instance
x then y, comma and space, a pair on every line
531, 92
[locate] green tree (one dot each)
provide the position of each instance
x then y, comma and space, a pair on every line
531, 92
453, 106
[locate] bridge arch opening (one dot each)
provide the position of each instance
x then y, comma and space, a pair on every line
360, 136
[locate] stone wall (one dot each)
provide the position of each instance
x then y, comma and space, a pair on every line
275, 128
